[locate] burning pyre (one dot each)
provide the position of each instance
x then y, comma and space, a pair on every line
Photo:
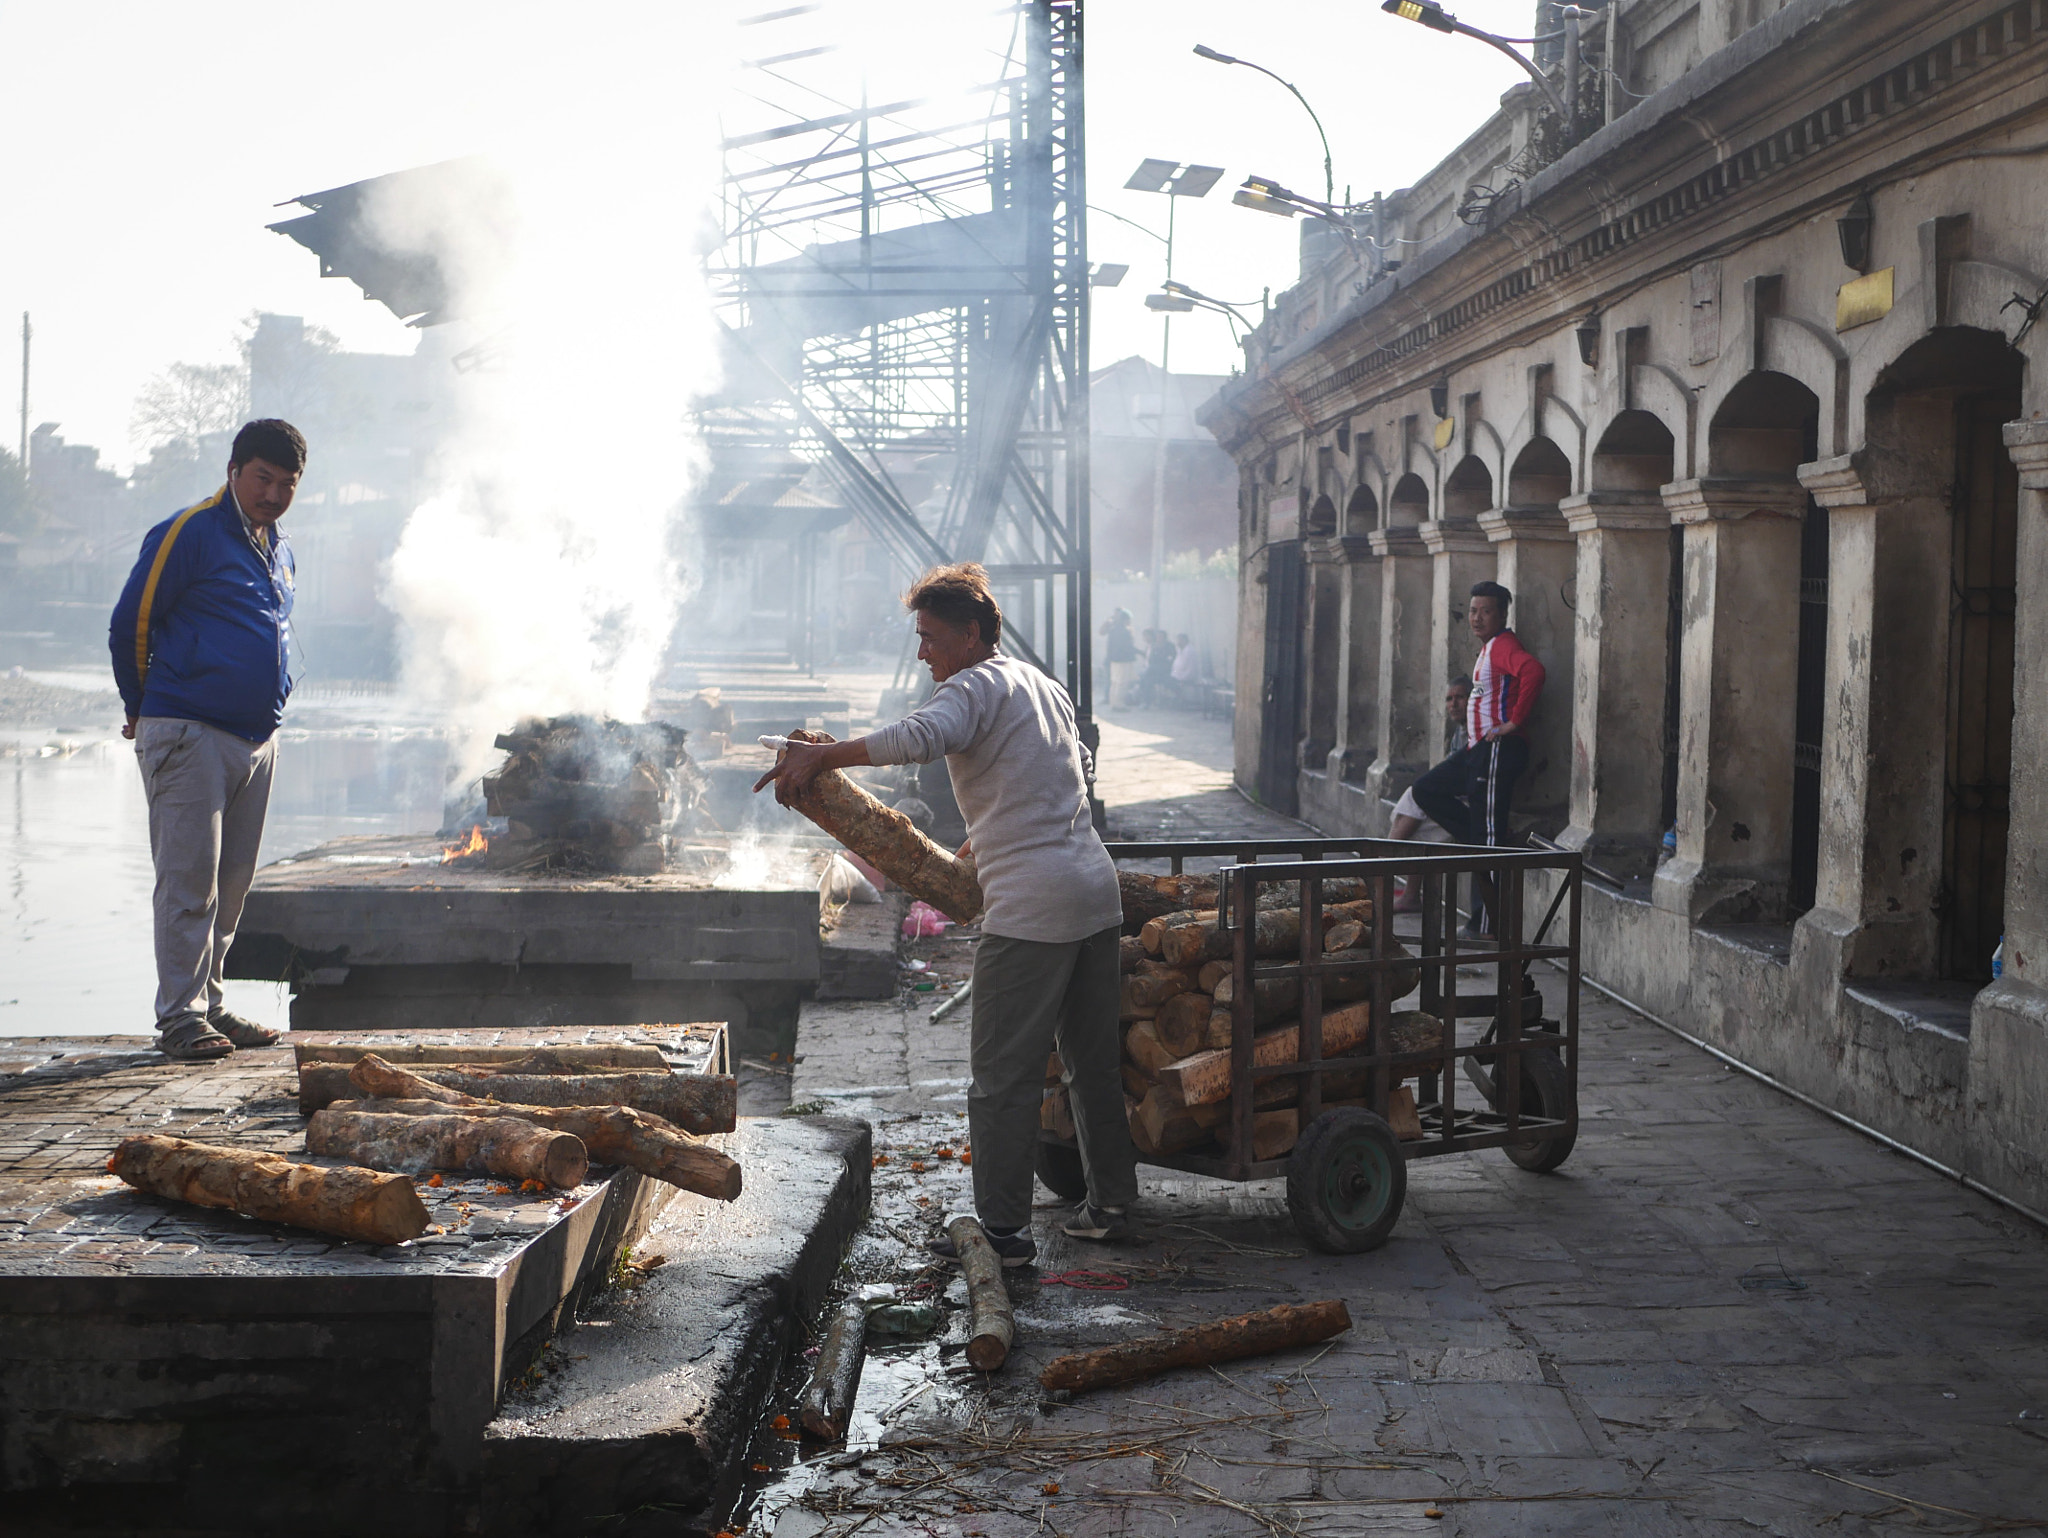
580, 793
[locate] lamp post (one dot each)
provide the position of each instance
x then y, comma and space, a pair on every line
1437, 19
1203, 51
1176, 181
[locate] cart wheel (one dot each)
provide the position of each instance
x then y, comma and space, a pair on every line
1059, 1169
1547, 1092
1346, 1181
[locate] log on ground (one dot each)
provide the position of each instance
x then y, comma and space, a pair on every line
890, 842
696, 1102
491, 1145
370, 1206
991, 1326
1220, 1340
827, 1403
614, 1134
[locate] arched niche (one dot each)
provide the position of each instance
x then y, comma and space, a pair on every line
1541, 476
1468, 490
1362, 512
1766, 428
1322, 518
1636, 453
1409, 504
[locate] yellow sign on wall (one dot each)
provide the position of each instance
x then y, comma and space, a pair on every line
1863, 300
1446, 430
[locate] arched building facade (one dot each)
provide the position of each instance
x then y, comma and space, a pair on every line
1743, 399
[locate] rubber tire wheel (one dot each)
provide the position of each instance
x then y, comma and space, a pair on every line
1346, 1182
1546, 1092
1059, 1170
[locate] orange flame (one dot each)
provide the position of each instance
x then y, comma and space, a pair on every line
476, 843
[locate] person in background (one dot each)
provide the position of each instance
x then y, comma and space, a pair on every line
1121, 653
1046, 966
1158, 679
201, 642
1410, 821
1470, 792
1187, 667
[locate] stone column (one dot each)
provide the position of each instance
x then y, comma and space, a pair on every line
2008, 1082
1884, 737
1738, 663
1460, 555
1619, 677
1358, 688
1536, 560
1323, 653
1405, 702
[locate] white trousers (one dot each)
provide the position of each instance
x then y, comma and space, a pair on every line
208, 791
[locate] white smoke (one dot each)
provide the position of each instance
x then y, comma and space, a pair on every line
540, 575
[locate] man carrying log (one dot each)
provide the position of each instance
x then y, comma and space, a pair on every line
1045, 972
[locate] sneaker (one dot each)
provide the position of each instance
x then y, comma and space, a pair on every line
189, 1039
241, 1030
1018, 1249
1106, 1225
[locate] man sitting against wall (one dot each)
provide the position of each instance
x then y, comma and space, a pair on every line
1469, 793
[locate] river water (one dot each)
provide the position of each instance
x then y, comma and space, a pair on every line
75, 948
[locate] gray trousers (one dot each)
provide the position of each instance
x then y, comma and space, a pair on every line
208, 790
1029, 997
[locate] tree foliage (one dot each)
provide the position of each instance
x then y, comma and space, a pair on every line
189, 400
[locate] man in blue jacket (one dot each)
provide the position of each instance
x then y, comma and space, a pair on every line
201, 641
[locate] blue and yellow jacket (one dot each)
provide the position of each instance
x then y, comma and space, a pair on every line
203, 628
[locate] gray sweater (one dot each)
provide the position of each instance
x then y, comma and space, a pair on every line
1007, 734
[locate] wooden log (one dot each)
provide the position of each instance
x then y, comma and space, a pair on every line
1344, 935
1205, 1078
1182, 1023
827, 1402
1143, 899
1276, 933
991, 1326
696, 1102
1137, 1083
1220, 1340
1401, 1114
1275, 1132
1161, 1126
614, 1134
1055, 1070
370, 1206
574, 1059
1336, 889
1140, 994
889, 841
1210, 974
1154, 933
414, 1145
1144, 1048
1130, 950
1056, 1115
1352, 979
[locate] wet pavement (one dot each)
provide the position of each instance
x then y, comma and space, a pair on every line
1725, 1314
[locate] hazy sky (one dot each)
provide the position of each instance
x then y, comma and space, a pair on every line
143, 144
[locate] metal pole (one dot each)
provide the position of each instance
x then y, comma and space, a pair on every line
27, 331
1571, 76
1159, 445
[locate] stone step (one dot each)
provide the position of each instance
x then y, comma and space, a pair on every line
650, 1404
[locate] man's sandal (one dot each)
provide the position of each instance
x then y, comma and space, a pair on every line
189, 1039
241, 1030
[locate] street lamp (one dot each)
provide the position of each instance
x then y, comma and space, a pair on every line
1437, 19
1203, 51
1177, 181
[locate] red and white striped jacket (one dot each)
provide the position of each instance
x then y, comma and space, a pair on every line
1507, 680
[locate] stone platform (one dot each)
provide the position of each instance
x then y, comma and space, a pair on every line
172, 1369
380, 933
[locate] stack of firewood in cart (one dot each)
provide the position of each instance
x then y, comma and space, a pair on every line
1179, 989
536, 1120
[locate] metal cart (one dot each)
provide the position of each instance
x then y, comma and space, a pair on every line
1347, 1173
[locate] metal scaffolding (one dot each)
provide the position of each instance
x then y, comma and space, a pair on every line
904, 289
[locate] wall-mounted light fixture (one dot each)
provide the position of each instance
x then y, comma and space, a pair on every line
1588, 334
1440, 398
1854, 229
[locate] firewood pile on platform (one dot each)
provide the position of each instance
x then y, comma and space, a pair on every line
1179, 987
536, 1119
580, 793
